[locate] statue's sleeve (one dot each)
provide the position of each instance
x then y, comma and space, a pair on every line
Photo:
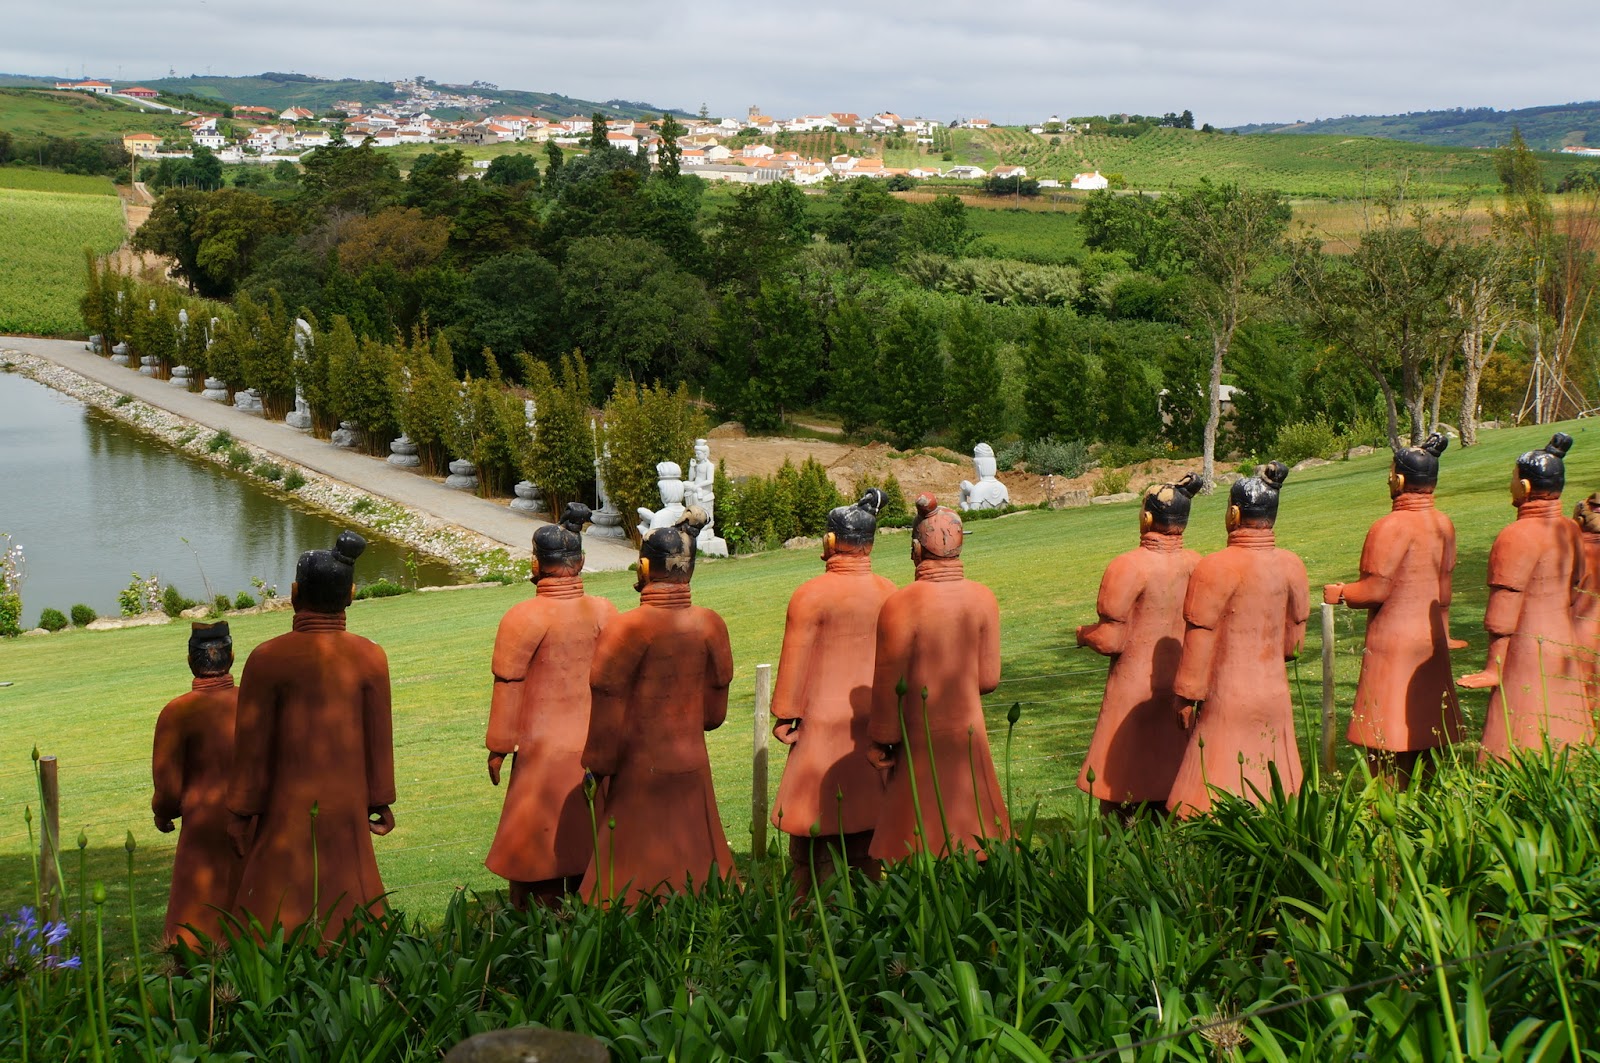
1447, 566
378, 732
611, 677
1299, 604
719, 670
1204, 605
1510, 566
989, 647
255, 721
514, 646
893, 658
1120, 587
794, 662
166, 764
1381, 555
1579, 564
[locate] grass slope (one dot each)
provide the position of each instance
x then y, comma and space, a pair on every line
41, 258
28, 179
91, 699
32, 112
1546, 128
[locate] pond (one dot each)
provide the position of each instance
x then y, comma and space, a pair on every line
92, 501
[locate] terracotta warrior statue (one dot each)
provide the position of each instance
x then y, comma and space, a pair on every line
824, 698
1245, 611
938, 653
1536, 669
313, 771
1138, 741
539, 716
659, 682
191, 765
1586, 614
1406, 701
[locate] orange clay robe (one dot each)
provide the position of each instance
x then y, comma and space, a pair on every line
1535, 574
1138, 741
659, 682
825, 681
943, 633
542, 655
314, 728
1586, 618
191, 765
1246, 612
1406, 699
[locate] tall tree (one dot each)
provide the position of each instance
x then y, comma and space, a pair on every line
853, 365
670, 158
1225, 234
1483, 309
598, 130
972, 385
912, 370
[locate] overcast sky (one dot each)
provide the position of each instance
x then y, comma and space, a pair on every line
1230, 61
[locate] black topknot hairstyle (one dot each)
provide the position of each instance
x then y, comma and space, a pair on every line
210, 648
1544, 469
857, 524
1420, 465
1257, 496
560, 545
1168, 504
672, 550
326, 577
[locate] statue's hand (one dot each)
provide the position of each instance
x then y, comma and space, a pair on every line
1456, 644
881, 756
495, 760
1333, 593
1186, 714
242, 831
165, 826
786, 731
1083, 633
380, 820
1484, 680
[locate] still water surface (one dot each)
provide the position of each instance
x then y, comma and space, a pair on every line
91, 501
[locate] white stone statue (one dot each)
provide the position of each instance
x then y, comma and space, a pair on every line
607, 519
988, 492
669, 481
702, 492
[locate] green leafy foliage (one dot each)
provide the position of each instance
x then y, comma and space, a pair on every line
52, 619
83, 615
645, 426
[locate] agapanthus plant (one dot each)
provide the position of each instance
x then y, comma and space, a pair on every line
28, 944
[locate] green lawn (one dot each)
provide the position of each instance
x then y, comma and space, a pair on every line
91, 698
41, 256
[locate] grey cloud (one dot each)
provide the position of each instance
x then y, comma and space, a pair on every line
1229, 61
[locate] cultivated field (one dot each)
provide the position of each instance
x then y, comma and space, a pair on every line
41, 257
91, 698
30, 180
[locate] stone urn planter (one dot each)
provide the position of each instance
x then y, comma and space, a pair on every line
216, 390
249, 401
119, 354
148, 364
96, 343
403, 453
181, 375
463, 476
528, 499
345, 436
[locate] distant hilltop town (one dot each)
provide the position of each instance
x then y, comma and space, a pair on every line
725, 149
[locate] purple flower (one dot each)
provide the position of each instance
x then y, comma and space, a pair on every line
27, 944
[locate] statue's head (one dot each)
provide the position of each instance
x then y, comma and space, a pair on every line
1588, 514
325, 580
702, 450
937, 533
669, 479
1253, 501
558, 548
851, 529
667, 554
1166, 506
1541, 473
210, 649
1416, 469
983, 459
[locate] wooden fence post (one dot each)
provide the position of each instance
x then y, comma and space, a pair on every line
1328, 736
758, 765
49, 837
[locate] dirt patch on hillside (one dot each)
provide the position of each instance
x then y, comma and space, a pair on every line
933, 470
